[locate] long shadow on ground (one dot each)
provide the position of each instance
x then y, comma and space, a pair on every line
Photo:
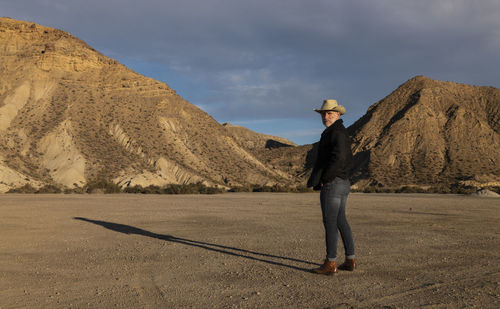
127, 229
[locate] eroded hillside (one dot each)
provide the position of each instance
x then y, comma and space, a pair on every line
430, 132
69, 114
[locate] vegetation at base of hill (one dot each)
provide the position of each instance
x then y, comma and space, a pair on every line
101, 186
273, 188
49, 189
440, 189
107, 187
27, 188
193, 188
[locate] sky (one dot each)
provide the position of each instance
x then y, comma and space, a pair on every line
266, 64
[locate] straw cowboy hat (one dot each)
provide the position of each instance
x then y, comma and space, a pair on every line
331, 105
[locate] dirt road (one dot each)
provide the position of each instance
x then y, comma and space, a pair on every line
245, 250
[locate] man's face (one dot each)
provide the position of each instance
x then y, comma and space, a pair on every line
329, 117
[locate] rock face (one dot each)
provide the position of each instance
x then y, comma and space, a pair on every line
429, 132
69, 115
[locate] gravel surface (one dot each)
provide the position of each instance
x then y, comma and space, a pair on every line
245, 250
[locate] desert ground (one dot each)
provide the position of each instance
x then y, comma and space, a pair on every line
245, 250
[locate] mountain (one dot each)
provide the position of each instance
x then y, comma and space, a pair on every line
429, 132
70, 115
256, 142
425, 133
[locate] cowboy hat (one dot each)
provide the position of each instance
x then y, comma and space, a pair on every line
331, 105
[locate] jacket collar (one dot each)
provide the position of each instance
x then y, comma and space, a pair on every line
337, 124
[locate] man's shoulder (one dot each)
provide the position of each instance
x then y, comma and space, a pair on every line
339, 124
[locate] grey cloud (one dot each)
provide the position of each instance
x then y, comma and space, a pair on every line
263, 59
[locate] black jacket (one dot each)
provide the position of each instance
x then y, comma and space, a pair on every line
334, 156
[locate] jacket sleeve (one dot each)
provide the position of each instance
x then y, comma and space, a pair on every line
315, 178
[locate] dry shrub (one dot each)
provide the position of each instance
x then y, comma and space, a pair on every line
193, 188
439, 189
274, 188
27, 188
49, 189
101, 185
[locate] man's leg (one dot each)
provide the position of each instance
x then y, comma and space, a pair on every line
330, 203
347, 239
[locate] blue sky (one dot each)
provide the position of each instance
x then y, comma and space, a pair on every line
266, 64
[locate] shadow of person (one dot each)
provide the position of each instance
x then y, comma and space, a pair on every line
233, 251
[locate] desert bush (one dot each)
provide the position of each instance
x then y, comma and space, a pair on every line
49, 189
256, 188
27, 188
457, 189
411, 189
241, 189
377, 189
102, 185
273, 188
194, 188
441, 189
152, 189
134, 189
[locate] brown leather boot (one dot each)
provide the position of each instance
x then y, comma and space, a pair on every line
349, 264
328, 268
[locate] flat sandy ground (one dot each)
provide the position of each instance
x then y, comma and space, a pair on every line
250, 250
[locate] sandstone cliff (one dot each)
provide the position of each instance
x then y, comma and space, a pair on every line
69, 114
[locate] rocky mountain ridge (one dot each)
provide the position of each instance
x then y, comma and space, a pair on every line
429, 132
425, 134
69, 114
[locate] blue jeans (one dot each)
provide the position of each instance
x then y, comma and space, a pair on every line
333, 198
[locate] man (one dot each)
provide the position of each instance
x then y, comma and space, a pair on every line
331, 175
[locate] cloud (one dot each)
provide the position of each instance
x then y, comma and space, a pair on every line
249, 60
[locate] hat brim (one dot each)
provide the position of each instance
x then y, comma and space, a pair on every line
338, 108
